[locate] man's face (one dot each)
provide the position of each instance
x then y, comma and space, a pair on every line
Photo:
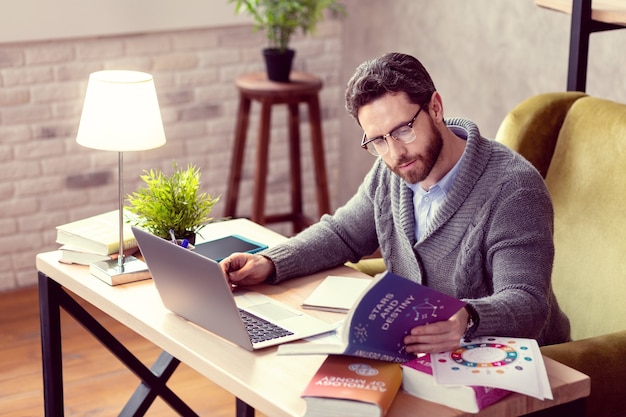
413, 162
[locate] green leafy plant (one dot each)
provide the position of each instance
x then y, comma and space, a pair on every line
281, 18
171, 202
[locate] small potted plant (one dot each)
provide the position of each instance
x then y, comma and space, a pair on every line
280, 19
172, 203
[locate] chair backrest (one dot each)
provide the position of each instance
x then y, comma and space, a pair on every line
586, 176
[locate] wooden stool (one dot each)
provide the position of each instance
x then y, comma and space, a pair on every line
302, 88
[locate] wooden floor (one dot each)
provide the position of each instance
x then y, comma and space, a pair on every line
95, 383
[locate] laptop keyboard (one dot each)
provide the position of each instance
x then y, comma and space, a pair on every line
261, 330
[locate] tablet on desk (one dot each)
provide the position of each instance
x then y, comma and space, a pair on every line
219, 249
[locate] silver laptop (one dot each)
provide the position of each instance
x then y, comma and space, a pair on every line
194, 287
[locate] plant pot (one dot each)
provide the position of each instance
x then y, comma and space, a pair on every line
190, 236
278, 63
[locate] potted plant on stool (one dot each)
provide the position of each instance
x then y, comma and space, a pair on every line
280, 19
172, 203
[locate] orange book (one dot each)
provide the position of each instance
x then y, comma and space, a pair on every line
350, 386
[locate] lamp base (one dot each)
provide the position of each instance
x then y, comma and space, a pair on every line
110, 272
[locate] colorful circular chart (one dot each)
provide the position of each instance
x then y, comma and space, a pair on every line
484, 355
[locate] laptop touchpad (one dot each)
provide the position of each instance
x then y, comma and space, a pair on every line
271, 311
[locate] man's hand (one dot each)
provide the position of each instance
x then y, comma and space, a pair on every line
247, 269
438, 337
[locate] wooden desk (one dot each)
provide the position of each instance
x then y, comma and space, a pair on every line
261, 380
586, 19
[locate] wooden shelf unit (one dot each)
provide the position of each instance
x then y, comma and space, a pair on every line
586, 19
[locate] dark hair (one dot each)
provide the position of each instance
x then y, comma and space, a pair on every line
390, 73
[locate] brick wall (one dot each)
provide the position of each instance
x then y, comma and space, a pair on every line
47, 179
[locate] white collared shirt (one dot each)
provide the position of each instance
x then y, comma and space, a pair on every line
427, 202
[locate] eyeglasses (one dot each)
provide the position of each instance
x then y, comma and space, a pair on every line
404, 134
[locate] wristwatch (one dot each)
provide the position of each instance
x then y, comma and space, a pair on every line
472, 321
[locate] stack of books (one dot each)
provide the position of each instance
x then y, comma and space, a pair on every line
480, 372
94, 239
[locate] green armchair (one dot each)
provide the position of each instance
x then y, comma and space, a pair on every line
578, 143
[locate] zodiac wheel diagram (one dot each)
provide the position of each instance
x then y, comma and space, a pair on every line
485, 355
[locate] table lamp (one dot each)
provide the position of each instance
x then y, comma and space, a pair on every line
121, 113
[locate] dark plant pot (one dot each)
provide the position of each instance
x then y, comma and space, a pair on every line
190, 236
278, 63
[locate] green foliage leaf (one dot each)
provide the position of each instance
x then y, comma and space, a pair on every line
281, 18
171, 202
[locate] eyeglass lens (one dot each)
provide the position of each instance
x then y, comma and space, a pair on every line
403, 134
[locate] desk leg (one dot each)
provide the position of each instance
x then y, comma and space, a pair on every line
51, 298
144, 395
243, 409
50, 322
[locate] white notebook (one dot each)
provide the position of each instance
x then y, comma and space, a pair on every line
336, 294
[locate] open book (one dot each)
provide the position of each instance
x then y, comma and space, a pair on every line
509, 363
384, 314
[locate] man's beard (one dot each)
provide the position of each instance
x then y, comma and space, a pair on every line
424, 163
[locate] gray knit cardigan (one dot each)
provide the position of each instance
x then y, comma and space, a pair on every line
490, 244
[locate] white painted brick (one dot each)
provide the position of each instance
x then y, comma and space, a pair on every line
148, 45
7, 279
55, 92
16, 207
40, 185
195, 40
25, 114
26, 278
13, 133
25, 264
175, 62
36, 150
216, 92
241, 36
99, 49
27, 75
13, 170
203, 76
8, 227
49, 53
6, 152
134, 63
77, 71
220, 57
11, 56
7, 190
68, 110
14, 97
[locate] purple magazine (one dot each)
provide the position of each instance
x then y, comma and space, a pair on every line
388, 310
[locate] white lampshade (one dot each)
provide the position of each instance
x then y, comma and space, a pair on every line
121, 112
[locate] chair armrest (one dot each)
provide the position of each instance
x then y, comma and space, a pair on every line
602, 359
370, 266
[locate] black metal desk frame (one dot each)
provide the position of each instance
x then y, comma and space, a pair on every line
581, 27
52, 297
